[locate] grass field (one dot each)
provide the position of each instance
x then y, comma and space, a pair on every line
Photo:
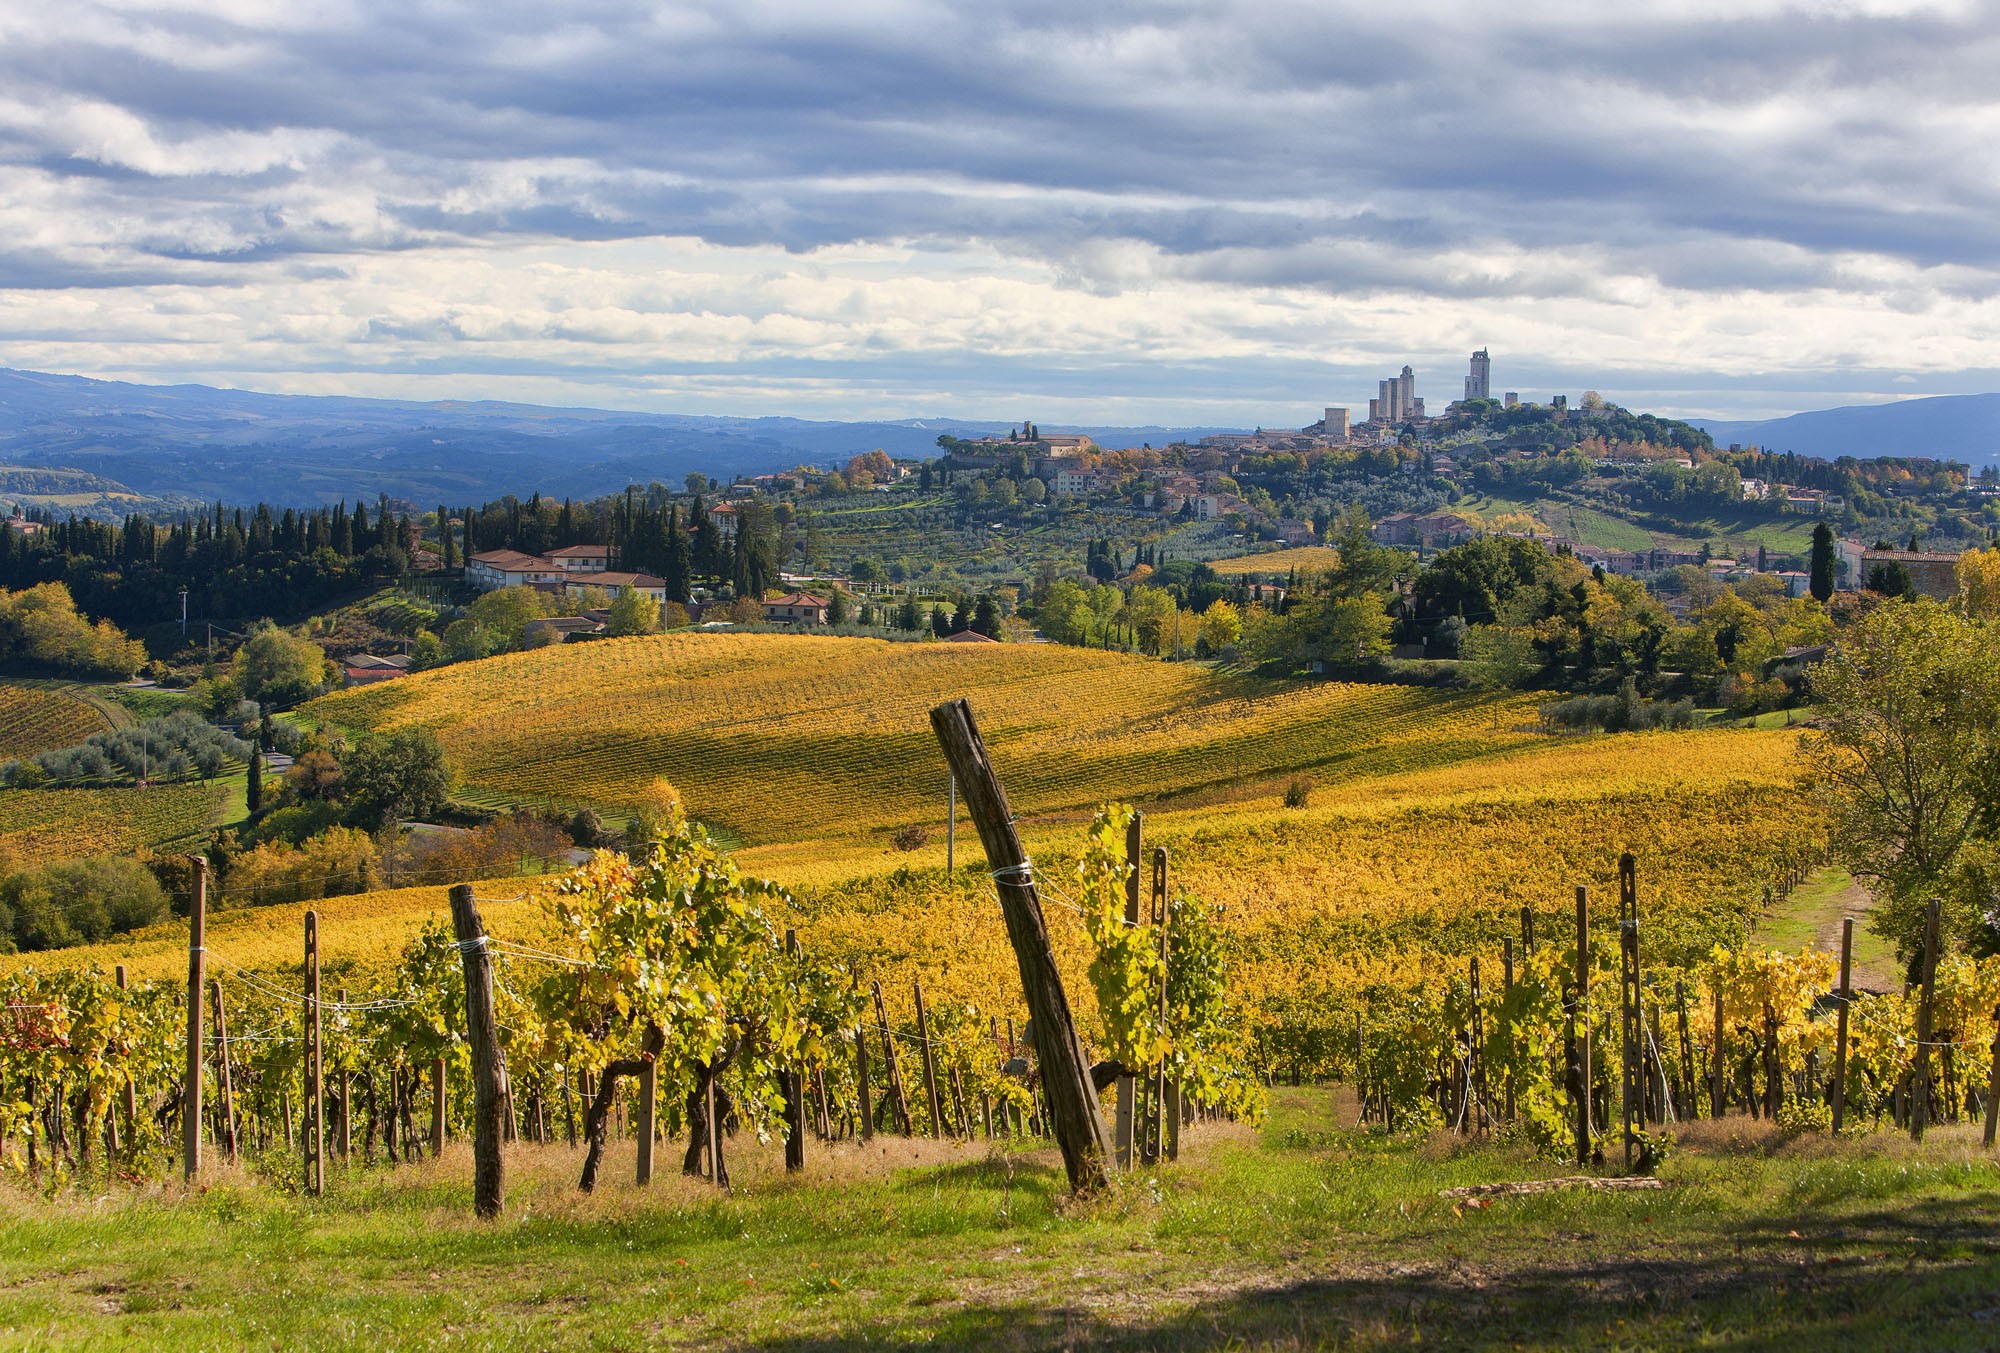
793, 737
1305, 1234
1275, 563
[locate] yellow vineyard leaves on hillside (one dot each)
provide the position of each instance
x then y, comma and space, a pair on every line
783, 737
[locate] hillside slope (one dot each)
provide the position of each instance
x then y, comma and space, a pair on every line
778, 737
1950, 427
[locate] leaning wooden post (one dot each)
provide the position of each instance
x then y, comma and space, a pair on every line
130, 1093
930, 1062
489, 1062
223, 1082
1920, 1088
898, 1097
315, 1126
1158, 1140
1993, 1085
1078, 1123
191, 1087
1845, 997
1122, 1126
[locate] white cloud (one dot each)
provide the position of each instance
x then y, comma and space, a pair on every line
1214, 206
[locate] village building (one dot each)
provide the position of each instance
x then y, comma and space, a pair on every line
365, 669
796, 608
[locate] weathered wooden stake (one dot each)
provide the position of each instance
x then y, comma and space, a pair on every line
315, 1086
1845, 997
1122, 1126
1993, 1085
489, 1060
861, 1082
1586, 1086
191, 1089
1078, 1123
129, 1092
223, 1082
793, 1086
437, 1106
1632, 1065
648, 1105
930, 1062
1718, 1099
897, 1096
1920, 1099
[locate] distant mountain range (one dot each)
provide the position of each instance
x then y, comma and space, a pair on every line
194, 443
1948, 427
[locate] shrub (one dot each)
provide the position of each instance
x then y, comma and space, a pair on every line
1298, 793
914, 836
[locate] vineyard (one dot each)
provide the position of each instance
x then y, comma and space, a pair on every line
781, 738
42, 825
42, 718
1275, 565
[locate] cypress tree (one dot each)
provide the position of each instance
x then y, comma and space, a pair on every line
1821, 580
255, 792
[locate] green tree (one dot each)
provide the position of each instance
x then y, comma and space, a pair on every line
277, 667
1904, 761
633, 612
1821, 580
403, 774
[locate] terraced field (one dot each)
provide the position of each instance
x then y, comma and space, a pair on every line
789, 737
1277, 563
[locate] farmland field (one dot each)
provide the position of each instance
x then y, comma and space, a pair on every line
41, 718
1305, 558
41, 825
779, 738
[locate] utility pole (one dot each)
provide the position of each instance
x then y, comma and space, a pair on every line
184, 615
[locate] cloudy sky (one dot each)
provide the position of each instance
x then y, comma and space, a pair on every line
1107, 212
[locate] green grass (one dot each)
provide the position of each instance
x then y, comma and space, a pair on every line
1811, 915
1303, 1235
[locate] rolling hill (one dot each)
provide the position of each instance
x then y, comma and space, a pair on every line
1949, 427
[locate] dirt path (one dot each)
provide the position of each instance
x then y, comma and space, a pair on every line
1812, 916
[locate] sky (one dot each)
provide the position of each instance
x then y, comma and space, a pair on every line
1219, 213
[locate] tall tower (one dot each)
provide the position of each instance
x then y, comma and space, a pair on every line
1407, 400
1478, 381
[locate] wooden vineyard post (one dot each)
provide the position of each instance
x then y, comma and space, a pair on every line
129, 1092
1718, 1089
1993, 1086
1584, 1083
227, 1107
315, 1087
1633, 1087
191, 1088
1157, 1114
930, 1063
1077, 1122
715, 1174
1920, 1089
489, 1061
1122, 1127
1476, 1070
648, 1103
345, 1142
1687, 1051
792, 1084
1844, 997
1527, 932
1507, 990
866, 1091
437, 1106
